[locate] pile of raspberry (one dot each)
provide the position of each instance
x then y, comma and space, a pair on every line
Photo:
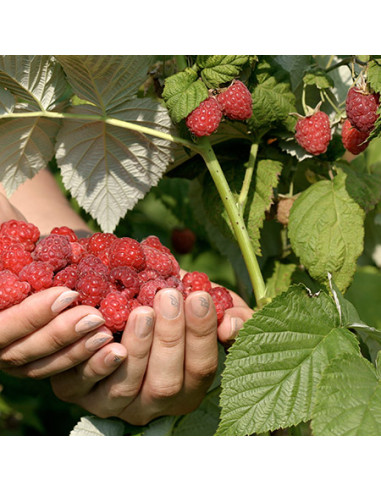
113, 274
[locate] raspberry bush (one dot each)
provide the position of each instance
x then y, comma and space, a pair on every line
272, 164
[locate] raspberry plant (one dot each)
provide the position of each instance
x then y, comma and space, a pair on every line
117, 128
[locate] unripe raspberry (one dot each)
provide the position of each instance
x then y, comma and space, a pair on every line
283, 209
236, 101
313, 133
205, 119
361, 108
353, 140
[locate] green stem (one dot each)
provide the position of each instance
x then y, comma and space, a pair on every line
207, 153
242, 199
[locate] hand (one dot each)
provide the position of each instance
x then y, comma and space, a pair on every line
164, 365
39, 338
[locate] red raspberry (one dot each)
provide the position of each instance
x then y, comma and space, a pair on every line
222, 300
77, 252
126, 279
175, 283
127, 252
25, 232
38, 274
92, 288
66, 277
313, 133
133, 303
147, 274
205, 119
91, 263
361, 107
183, 240
353, 140
84, 241
12, 290
196, 281
99, 245
155, 242
65, 231
15, 257
236, 101
157, 260
54, 249
148, 291
115, 309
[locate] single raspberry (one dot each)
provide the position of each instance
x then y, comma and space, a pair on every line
155, 242
196, 281
28, 234
183, 240
77, 252
222, 301
133, 303
283, 210
92, 288
115, 309
66, 277
15, 257
205, 119
148, 291
12, 290
157, 260
147, 274
353, 140
126, 279
84, 241
313, 133
175, 283
54, 249
65, 231
91, 263
361, 108
236, 101
38, 274
126, 251
99, 245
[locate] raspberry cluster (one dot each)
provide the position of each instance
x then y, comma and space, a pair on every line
113, 274
233, 102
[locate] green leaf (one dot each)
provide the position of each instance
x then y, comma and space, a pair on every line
108, 169
26, 146
296, 65
183, 92
95, 426
277, 360
273, 99
37, 80
280, 280
326, 230
348, 399
7, 101
319, 78
374, 74
219, 69
106, 80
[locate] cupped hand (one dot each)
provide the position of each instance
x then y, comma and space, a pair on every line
40, 337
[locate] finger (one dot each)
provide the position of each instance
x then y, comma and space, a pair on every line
33, 313
232, 322
201, 350
66, 358
80, 380
61, 331
115, 393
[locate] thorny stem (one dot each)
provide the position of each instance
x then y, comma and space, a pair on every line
239, 227
242, 199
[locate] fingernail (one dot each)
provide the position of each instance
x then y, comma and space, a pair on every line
98, 340
114, 358
200, 305
88, 323
64, 300
236, 325
143, 324
170, 303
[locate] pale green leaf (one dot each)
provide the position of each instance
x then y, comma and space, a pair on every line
7, 101
348, 399
107, 168
374, 74
277, 360
219, 69
26, 146
37, 80
326, 230
280, 280
106, 80
95, 426
296, 65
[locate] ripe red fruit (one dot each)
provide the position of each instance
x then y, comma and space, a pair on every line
38, 274
361, 107
25, 232
65, 231
222, 301
353, 140
126, 251
157, 260
155, 242
313, 133
115, 309
15, 257
66, 277
149, 289
92, 288
236, 101
183, 240
205, 119
12, 290
126, 279
196, 281
54, 249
